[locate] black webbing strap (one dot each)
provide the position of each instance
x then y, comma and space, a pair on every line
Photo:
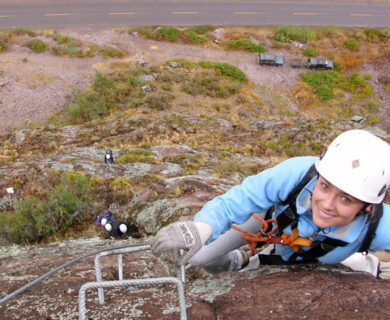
290, 216
318, 249
310, 174
376, 215
275, 260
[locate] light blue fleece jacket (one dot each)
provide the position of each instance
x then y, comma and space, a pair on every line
271, 187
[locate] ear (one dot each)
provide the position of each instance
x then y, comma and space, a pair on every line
368, 208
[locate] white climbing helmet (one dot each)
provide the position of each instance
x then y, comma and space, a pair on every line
357, 162
108, 227
103, 221
123, 228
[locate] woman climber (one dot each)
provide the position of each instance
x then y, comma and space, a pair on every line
323, 209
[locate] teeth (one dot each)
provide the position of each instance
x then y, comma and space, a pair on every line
325, 214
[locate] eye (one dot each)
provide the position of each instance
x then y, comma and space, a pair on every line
324, 186
346, 199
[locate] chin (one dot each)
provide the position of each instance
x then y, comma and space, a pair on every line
322, 224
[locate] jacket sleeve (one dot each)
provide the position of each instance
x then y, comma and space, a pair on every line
256, 194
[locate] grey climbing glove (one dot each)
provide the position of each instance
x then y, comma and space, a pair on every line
179, 235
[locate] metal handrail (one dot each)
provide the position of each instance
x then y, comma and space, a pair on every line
136, 282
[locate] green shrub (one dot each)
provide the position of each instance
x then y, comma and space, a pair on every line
225, 69
372, 120
209, 87
322, 82
310, 52
72, 48
195, 38
245, 44
374, 34
35, 220
3, 46
58, 50
158, 101
137, 156
330, 31
37, 45
23, 31
86, 107
145, 32
112, 53
202, 29
289, 33
168, 33
102, 80
60, 39
354, 82
133, 81
352, 44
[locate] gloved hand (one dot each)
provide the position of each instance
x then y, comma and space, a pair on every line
384, 270
186, 235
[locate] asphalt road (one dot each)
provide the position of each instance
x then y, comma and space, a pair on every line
88, 13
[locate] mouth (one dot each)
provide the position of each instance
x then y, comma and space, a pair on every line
324, 215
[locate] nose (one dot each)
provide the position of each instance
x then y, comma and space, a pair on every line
329, 202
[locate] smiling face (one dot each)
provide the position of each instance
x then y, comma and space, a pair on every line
331, 206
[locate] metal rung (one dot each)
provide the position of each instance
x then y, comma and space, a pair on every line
127, 283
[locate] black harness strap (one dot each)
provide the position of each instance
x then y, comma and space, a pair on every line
275, 260
376, 215
318, 249
290, 216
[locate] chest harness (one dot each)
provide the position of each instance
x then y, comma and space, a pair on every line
271, 232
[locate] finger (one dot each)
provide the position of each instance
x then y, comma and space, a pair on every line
183, 259
164, 245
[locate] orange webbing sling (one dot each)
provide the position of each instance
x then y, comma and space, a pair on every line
265, 236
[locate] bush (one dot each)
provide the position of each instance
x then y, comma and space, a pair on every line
112, 53
35, 220
2, 46
102, 80
137, 156
310, 52
168, 33
37, 45
195, 38
289, 33
158, 102
142, 31
61, 39
323, 82
225, 69
245, 44
72, 48
133, 81
354, 82
352, 44
209, 87
58, 50
330, 31
374, 35
202, 29
87, 107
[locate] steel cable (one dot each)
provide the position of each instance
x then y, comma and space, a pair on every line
32, 283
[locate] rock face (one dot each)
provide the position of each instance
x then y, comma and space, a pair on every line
293, 292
